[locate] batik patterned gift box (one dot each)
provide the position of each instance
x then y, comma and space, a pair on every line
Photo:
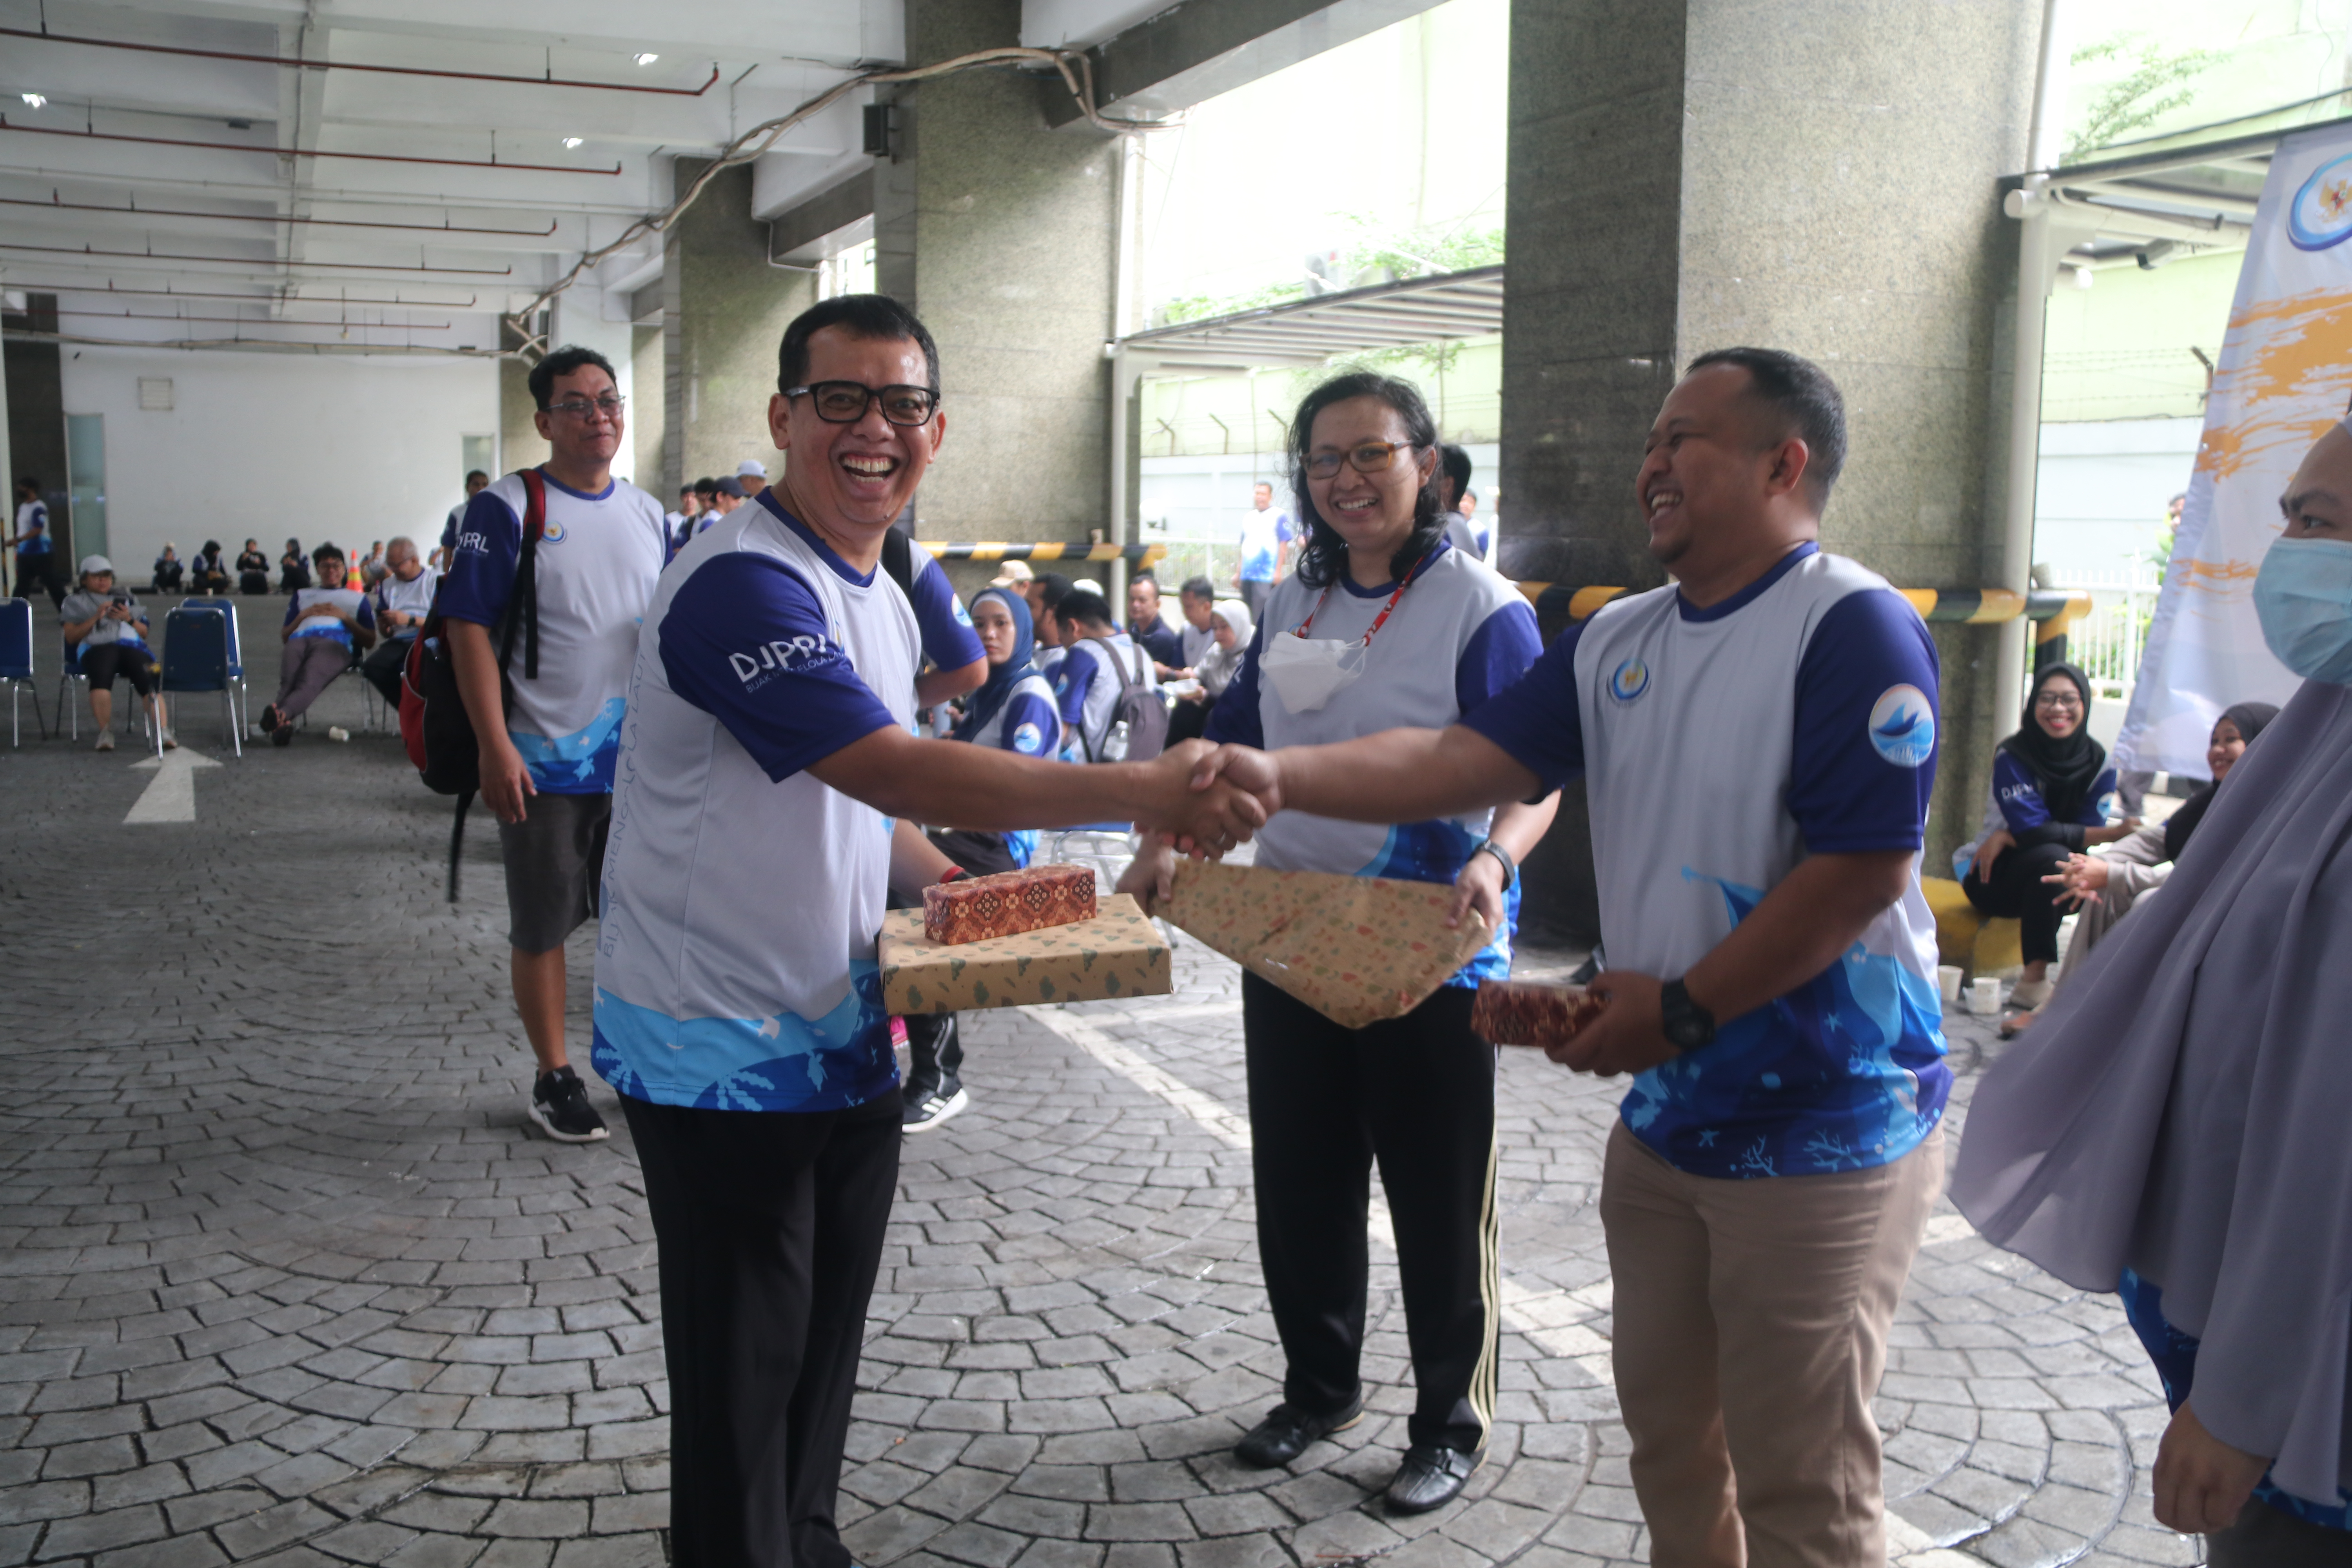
1523, 1013
1117, 953
1355, 949
977, 908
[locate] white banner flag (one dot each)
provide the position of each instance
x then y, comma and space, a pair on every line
2283, 377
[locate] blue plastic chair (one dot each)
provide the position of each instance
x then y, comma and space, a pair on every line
195, 658
70, 674
240, 696
17, 667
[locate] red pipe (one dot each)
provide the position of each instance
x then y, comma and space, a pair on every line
443, 227
254, 262
301, 151
468, 304
48, 37
264, 322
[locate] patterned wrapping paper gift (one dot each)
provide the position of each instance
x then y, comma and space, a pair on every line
1117, 953
977, 908
1522, 1013
1355, 949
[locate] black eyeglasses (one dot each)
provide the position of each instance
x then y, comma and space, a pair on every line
609, 406
845, 402
1371, 457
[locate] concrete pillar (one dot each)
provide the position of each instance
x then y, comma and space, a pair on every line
724, 311
1820, 177
521, 445
649, 414
36, 415
1001, 233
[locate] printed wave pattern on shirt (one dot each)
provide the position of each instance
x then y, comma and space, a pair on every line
580, 762
1843, 1073
1436, 851
783, 1062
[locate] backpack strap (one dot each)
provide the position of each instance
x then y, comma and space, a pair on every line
522, 604
898, 559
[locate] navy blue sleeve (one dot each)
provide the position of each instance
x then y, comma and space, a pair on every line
949, 641
2019, 794
1235, 718
1503, 649
1538, 719
2094, 811
1031, 727
1864, 757
482, 571
745, 641
1072, 681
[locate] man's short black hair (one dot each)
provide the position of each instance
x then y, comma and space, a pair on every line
1144, 576
1805, 398
1052, 589
1200, 588
28, 482
875, 316
706, 487
685, 489
1456, 465
564, 362
473, 474
1082, 607
326, 553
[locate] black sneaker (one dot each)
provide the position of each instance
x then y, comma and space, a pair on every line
558, 1103
1432, 1476
934, 1107
1287, 1432
269, 719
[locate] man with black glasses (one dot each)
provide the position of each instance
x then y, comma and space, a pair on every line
547, 757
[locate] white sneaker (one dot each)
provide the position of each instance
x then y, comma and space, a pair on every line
106, 741
2031, 994
170, 742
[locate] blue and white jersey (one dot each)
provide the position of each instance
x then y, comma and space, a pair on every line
2025, 811
1721, 747
598, 561
1086, 688
1262, 535
1026, 725
1460, 635
949, 641
351, 602
33, 528
735, 963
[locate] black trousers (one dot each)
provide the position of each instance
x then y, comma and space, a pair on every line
768, 1226
383, 664
934, 1048
2267, 1537
1188, 721
2015, 891
1416, 1094
34, 573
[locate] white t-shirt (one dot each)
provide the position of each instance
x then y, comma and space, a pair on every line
598, 561
742, 896
413, 597
1086, 688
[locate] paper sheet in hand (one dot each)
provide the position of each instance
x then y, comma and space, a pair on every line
1355, 949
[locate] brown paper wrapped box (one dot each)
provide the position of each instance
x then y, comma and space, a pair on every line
1355, 949
1119, 952
975, 909
1523, 1013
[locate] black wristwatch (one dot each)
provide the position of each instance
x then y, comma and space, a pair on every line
1683, 1021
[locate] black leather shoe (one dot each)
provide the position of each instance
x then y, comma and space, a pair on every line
1432, 1476
1287, 1432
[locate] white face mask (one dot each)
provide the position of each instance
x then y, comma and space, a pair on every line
1306, 673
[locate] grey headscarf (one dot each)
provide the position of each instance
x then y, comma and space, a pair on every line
2181, 1107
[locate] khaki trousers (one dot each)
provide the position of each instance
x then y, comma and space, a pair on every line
1751, 1326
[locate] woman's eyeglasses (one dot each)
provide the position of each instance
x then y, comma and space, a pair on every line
845, 402
2059, 699
1371, 457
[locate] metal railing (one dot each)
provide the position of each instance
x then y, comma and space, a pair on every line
2106, 640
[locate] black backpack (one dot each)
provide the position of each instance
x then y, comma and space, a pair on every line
1138, 707
434, 723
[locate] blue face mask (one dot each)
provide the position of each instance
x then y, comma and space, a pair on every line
2302, 595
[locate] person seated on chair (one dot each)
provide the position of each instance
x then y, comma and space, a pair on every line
170, 570
293, 571
208, 574
2050, 784
1101, 660
106, 631
403, 598
252, 569
325, 628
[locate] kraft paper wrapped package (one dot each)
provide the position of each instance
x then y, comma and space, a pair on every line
1117, 953
1355, 949
1522, 1013
976, 909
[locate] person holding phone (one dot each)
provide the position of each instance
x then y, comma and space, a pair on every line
106, 634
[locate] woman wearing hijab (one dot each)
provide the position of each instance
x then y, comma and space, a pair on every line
1013, 710
2050, 787
252, 569
1383, 624
209, 571
2174, 1128
293, 569
1230, 630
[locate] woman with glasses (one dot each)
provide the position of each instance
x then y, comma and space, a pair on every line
1383, 624
2050, 784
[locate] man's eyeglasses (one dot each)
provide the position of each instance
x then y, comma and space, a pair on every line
1371, 457
609, 406
845, 402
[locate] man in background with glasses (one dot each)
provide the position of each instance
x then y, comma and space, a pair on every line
547, 757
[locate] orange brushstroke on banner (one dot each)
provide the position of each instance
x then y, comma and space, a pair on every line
2294, 350
2226, 582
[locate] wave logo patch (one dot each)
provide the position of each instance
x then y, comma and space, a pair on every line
1902, 726
2320, 215
1629, 680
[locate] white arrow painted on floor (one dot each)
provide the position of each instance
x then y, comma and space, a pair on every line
170, 794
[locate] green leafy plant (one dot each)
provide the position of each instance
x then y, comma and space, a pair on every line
2156, 84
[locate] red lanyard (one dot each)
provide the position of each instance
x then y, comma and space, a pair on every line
1377, 620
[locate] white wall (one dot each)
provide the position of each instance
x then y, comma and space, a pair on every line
343, 449
2103, 486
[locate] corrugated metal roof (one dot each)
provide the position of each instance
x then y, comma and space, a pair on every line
1309, 331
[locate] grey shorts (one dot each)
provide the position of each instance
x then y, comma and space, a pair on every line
555, 858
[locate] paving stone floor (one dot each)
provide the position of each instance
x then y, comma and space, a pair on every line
285, 1277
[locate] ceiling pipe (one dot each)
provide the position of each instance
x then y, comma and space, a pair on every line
48, 37
2108, 218
251, 345
57, 204
303, 151
468, 303
263, 321
256, 262
272, 191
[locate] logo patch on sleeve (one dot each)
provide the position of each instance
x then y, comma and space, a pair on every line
1902, 726
1629, 680
1028, 740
